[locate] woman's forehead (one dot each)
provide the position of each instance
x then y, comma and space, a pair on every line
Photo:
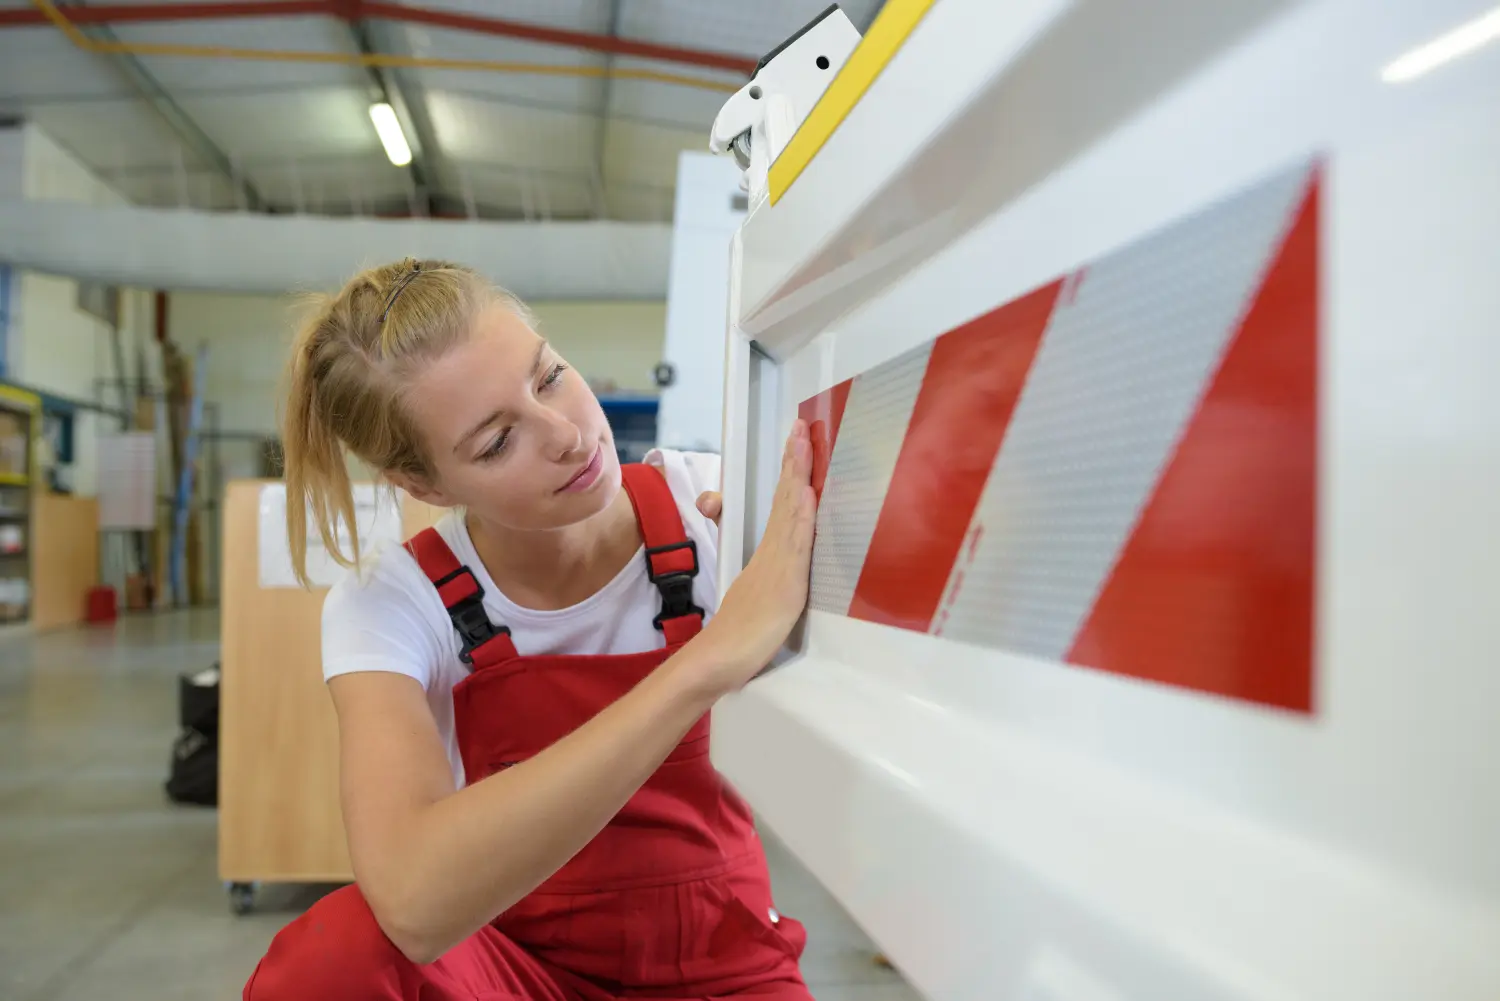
482, 377
503, 327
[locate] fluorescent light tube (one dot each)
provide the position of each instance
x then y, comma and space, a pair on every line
1445, 48
391, 136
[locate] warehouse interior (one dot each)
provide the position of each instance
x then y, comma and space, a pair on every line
121, 393
1094, 400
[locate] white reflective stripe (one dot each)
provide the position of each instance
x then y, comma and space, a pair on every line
874, 425
1121, 369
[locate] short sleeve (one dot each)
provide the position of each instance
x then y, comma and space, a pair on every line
374, 620
690, 474
703, 471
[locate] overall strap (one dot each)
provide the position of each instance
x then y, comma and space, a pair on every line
671, 557
484, 643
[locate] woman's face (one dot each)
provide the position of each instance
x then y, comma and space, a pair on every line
514, 434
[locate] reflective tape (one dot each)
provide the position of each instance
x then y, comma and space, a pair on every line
1117, 470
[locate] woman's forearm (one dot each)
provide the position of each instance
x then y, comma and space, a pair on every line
468, 857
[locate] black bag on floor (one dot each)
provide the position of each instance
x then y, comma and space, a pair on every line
194, 773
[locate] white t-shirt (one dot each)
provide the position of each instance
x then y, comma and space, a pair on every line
387, 616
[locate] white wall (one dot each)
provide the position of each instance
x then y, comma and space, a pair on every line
52, 345
618, 341
12, 162
248, 338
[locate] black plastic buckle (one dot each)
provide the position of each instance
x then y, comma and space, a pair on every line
470, 619
676, 586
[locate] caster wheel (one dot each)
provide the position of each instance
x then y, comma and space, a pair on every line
241, 897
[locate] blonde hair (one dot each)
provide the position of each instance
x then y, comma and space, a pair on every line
349, 366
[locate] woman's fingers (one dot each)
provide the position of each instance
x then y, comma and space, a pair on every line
796, 443
768, 598
800, 505
804, 520
796, 469
711, 505
802, 457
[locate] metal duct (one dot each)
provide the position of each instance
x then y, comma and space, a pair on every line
237, 252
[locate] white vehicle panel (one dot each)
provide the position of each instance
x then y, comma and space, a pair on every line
1006, 819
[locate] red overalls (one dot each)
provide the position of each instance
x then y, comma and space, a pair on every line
670, 900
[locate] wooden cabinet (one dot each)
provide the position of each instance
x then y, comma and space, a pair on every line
278, 743
279, 815
65, 533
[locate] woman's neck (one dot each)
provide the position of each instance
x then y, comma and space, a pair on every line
556, 569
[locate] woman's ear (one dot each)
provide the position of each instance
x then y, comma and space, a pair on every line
418, 488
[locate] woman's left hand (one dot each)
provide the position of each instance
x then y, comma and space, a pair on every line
711, 505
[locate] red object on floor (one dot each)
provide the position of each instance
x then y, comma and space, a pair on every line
100, 605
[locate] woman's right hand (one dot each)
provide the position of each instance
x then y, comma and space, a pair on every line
769, 595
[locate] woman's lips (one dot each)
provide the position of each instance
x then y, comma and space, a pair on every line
586, 476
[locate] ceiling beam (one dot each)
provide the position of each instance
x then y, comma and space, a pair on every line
601, 132
412, 114
188, 132
140, 13
614, 45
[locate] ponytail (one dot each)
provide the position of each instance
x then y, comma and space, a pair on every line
317, 477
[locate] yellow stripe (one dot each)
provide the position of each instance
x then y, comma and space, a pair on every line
897, 20
26, 400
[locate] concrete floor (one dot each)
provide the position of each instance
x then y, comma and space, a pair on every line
107, 890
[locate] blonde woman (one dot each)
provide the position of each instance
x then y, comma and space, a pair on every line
523, 691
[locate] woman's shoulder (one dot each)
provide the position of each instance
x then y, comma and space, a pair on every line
689, 475
388, 568
383, 613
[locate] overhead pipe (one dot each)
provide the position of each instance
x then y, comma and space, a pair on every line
142, 13
87, 44
353, 10
611, 44
178, 248
177, 118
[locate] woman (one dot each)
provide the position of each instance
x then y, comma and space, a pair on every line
523, 691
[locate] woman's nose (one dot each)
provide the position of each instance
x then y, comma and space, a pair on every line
562, 435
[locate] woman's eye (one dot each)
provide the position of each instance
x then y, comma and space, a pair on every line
496, 445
